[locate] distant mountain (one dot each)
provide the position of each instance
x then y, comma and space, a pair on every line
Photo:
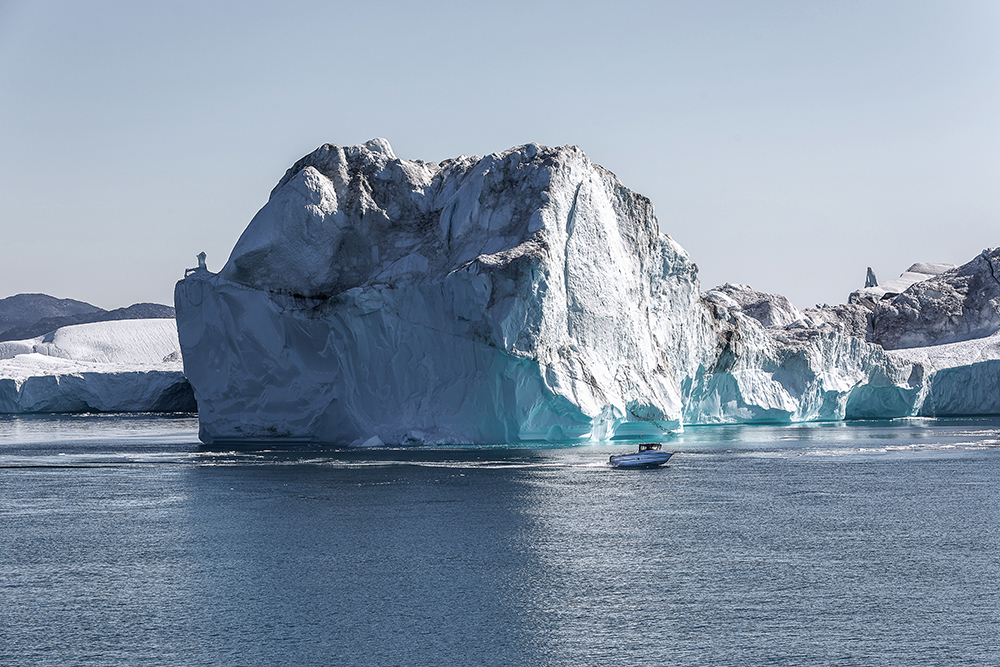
29, 315
24, 309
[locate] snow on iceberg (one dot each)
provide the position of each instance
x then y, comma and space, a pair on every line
116, 366
526, 295
963, 378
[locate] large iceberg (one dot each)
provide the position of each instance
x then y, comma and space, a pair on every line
873, 292
526, 295
117, 366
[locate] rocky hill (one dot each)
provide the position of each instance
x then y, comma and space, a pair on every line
28, 315
23, 310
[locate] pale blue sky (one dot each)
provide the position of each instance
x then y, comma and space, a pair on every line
787, 145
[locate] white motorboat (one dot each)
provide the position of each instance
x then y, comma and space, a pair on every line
650, 455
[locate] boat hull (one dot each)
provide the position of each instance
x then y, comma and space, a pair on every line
648, 459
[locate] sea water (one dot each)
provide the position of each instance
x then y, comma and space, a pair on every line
125, 542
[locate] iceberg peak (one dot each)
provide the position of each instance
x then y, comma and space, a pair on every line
380, 145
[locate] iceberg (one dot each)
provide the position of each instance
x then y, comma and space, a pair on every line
523, 296
115, 366
942, 327
950, 326
786, 365
963, 378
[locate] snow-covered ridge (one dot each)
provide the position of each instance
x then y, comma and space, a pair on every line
771, 310
115, 366
524, 295
146, 343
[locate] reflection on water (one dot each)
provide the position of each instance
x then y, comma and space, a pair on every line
124, 541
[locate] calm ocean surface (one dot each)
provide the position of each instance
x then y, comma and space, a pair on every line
124, 542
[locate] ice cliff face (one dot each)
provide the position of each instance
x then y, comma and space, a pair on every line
526, 295
938, 323
783, 365
950, 325
119, 366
